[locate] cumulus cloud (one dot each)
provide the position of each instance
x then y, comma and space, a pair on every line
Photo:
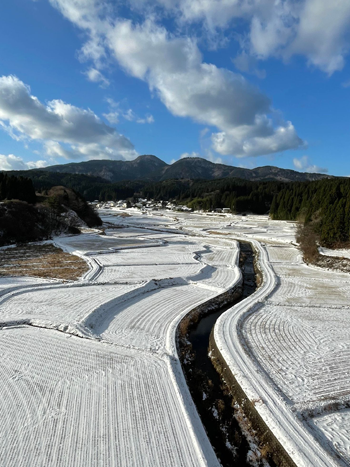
12, 162
58, 122
304, 165
174, 69
190, 87
257, 140
115, 115
96, 76
315, 29
112, 117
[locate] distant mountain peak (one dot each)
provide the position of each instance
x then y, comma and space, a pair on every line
150, 167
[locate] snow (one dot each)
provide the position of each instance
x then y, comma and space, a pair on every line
89, 370
336, 428
340, 253
80, 403
90, 373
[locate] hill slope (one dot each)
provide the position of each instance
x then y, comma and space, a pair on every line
143, 168
151, 168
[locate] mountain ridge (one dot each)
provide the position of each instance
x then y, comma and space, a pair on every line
151, 168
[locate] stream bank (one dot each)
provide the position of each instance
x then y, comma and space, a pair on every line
218, 409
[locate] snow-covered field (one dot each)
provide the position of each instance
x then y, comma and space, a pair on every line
289, 347
89, 370
90, 373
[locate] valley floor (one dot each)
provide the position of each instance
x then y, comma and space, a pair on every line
90, 373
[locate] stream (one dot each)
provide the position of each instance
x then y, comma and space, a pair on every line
212, 400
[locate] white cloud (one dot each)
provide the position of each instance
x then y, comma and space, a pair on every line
12, 162
96, 76
58, 122
252, 141
191, 88
346, 84
112, 117
304, 165
148, 119
322, 34
316, 29
188, 87
115, 115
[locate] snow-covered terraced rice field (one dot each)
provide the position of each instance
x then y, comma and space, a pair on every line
90, 243
283, 254
336, 428
71, 402
217, 279
164, 254
221, 257
12, 283
341, 253
143, 321
116, 394
308, 362
68, 304
154, 271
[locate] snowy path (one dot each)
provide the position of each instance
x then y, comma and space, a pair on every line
89, 372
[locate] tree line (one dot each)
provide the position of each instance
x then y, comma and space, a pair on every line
322, 204
236, 194
12, 187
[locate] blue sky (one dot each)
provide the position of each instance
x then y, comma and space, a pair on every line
246, 83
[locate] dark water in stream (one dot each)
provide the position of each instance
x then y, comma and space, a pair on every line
213, 403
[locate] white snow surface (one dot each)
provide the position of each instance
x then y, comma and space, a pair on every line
340, 253
288, 344
90, 373
336, 428
89, 370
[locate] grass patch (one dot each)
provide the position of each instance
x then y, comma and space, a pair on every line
44, 261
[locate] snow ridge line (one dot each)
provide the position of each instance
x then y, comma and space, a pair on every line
274, 410
19, 290
92, 318
95, 269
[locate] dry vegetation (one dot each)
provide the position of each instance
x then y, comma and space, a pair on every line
307, 239
46, 261
308, 242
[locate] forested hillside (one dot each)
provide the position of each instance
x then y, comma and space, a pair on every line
26, 217
238, 195
20, 188
323, 204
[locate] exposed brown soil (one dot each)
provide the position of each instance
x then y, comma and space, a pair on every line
333, 262
45, 261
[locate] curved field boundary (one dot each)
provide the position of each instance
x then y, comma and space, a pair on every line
200, 438
292, 435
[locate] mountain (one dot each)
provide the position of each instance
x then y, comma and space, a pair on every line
142, 168
151, 168
197, 168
